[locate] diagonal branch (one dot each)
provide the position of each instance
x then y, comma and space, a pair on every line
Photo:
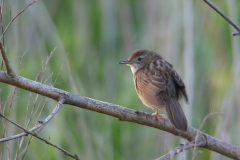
213, 6
6, 62
122, 114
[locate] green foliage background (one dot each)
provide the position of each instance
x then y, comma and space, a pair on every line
99, 33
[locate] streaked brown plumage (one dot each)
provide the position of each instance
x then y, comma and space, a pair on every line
158, 85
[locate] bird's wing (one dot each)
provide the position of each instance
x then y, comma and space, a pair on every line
148, 86
177, 78
180, 87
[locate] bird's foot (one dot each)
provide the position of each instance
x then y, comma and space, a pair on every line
158, 115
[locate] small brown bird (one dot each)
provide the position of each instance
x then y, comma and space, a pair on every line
158, 85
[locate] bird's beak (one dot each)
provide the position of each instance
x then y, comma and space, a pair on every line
125, 62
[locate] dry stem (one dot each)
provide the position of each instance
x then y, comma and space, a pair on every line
213, 6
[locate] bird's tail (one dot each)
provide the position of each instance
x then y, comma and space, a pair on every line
176, 115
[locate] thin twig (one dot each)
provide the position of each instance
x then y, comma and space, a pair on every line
48, 78
38, 106
47, 62
43, 75
31, 115
19, 143
1, 26
2, 6
10, 10
20, 64
213, 6
236, 34
52, 85
1, 19
36, 79
11, 102
50, 56
4, 123
45, 151
180, 149
44, 122
16, 17
2, 65
1, 153
199, 129
29, 141
42, 139
60, 69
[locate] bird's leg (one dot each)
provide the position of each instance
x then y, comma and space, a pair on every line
158, 115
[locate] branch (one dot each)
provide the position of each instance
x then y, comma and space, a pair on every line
8, 67
122, 114
42, 139
213, 6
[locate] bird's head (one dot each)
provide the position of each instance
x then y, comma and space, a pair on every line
139, 59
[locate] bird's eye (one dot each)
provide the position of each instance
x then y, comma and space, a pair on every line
139, 59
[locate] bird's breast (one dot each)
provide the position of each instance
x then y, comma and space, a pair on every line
147, 91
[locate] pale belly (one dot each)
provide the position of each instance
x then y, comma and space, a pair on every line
151, 104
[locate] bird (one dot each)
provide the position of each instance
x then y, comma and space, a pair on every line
158, 85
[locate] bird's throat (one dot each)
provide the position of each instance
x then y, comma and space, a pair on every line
134, 68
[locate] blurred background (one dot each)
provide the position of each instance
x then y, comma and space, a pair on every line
96, 34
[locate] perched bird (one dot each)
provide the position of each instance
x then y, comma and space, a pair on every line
158, 85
